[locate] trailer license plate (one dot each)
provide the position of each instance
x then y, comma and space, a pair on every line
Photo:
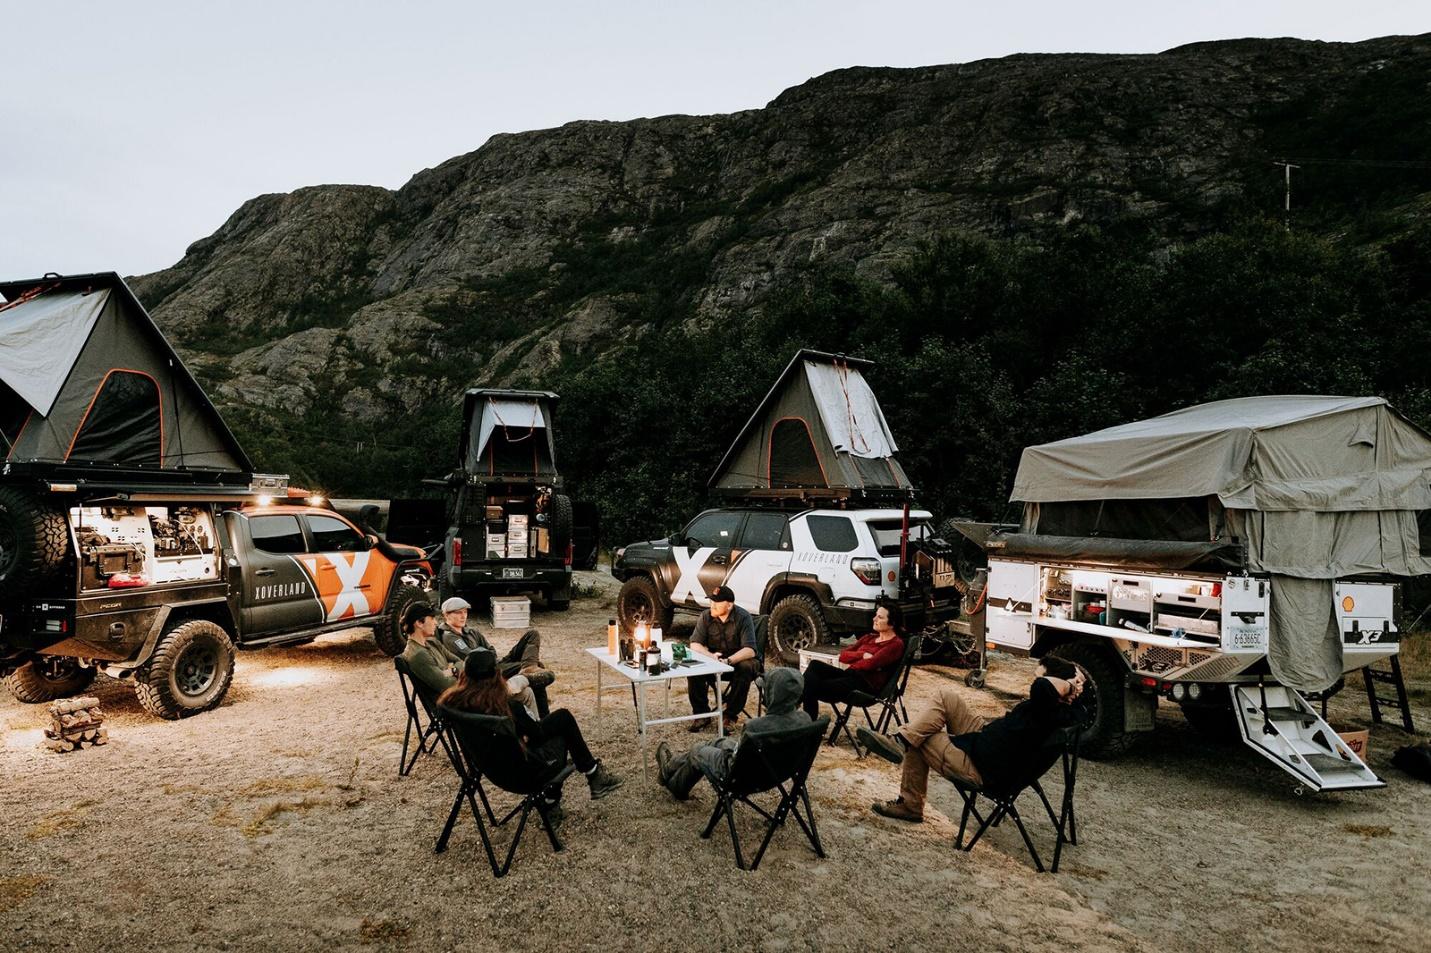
1245, 637
513, 572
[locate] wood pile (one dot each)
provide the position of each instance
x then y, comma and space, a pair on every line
75, 723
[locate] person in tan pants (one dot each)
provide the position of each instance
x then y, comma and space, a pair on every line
951, 739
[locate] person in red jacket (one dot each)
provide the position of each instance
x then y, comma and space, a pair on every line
869, 663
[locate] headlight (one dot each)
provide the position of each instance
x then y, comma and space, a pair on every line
616, 556
1179, 691
1194, 691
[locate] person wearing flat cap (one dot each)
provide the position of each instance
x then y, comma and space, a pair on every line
522, 666
726, 632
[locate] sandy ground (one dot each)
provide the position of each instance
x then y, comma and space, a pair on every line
278, 822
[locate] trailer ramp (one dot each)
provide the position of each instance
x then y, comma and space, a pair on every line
1283, 727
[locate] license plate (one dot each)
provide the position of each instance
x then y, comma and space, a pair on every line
513, 572
1247, 637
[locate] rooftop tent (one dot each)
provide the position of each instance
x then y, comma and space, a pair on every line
89, 379
508, 433
819, 431
1316, 489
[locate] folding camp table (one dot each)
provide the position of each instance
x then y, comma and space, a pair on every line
703, 665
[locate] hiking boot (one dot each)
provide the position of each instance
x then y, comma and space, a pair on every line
663, 762
898, 811
539, 676
555, 815
602, 782
890, 749
698, 726
729, 725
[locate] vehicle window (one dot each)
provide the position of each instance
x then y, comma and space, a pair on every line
716, 528
332, 535
276, 534
886, 534
832, 534
763, 531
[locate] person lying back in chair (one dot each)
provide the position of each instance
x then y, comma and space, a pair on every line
957, 743
781, 694
481, 689
523, 659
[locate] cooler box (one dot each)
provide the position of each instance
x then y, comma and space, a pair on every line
517, 521
511, 612
496, 546
517, 543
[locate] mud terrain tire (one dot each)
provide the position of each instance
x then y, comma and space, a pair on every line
796, 623
387, 631
190, 671
34, 541
48, 678
640, 601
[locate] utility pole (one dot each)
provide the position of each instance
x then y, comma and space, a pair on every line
1287, 167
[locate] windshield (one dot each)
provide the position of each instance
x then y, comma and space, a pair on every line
886, 534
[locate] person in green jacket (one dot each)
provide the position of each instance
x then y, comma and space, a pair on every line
431, 662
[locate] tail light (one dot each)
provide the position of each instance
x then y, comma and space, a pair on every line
457, 550
570, 554
868, 570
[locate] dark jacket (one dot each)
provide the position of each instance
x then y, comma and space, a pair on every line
1008, 749
461, 644
728, 637
431, 663
781, 694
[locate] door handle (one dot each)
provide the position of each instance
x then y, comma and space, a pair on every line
263, 572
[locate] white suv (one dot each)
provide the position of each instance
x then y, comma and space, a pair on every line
818, 573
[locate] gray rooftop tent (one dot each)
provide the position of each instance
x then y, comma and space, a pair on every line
1313, 488
87, 379
819, 432
508, 434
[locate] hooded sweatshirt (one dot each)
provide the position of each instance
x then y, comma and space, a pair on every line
781, 694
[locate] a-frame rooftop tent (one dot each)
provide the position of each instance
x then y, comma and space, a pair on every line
507, 434
818, 433
88, 380
1315, 489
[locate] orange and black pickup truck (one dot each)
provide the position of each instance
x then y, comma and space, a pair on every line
160, 587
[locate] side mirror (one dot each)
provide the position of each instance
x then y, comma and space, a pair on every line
678, 539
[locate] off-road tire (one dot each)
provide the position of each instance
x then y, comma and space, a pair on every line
34, 541
796, 622
1105, 737
387, 631
563, 518
48, 678
190, 671
640, 601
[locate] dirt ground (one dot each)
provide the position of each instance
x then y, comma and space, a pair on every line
278, 822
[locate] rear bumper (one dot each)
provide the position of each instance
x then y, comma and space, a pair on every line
500, 577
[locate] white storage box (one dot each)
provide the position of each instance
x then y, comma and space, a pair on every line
517, 543
496, 546
517, 521
824, 653
511, 612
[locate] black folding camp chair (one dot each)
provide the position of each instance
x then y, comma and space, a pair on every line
762, 633
486, 746
762, 763
419, 700
889, 700
1061, 748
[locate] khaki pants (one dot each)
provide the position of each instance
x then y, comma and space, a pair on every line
928, 735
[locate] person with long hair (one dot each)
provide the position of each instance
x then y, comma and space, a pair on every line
868, 664
482, 689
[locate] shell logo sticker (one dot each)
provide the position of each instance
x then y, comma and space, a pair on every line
1348, 603
346, 580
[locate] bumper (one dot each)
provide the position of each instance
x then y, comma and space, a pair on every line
505, 577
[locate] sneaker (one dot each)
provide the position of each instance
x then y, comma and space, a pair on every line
890, 749
898, 811
602, 782
663, 762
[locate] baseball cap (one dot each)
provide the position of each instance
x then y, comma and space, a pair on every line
414, 614
454, 603
480, 663
722, 594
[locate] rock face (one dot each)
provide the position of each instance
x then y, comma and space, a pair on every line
549, 245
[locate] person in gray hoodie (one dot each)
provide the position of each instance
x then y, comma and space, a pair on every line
781, 694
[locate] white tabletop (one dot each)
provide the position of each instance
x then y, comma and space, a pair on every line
705, 666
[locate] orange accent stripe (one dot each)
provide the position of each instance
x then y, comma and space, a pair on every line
159, 391
16, 442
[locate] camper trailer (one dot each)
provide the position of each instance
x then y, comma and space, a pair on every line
1234, 557
816, 524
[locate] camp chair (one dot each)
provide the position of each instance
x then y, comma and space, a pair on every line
486, 746
762, 633
415, 694
1062, 747
763, 762
889, 700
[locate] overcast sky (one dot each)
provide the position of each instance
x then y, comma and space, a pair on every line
131, 129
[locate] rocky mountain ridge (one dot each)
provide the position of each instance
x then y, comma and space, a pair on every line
549, 246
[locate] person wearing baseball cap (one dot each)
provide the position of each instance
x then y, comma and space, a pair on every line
522, 666
726, 632
430, 661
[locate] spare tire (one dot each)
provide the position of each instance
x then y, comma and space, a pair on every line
561, 524
33, 543
49, 677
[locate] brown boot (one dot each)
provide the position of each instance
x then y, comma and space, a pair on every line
539, 676
898, 811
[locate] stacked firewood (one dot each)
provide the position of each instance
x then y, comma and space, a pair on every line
75, 722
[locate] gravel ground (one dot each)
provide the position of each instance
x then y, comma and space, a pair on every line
278, 822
